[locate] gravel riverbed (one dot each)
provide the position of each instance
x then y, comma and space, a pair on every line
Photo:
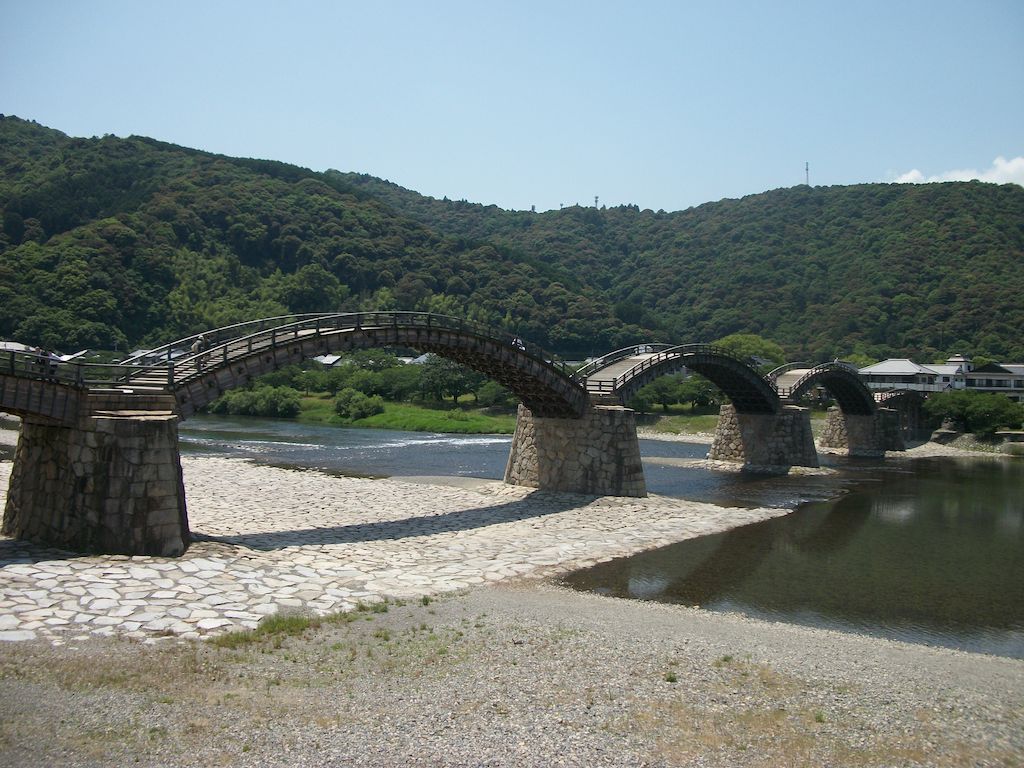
517, 674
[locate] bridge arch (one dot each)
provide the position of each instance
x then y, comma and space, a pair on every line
233, 356
25, 394
748, 390
841, 380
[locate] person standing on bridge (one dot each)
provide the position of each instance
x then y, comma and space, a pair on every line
198, 347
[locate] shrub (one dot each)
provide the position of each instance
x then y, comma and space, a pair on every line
979, 412
352, 404
492, 394
279, 402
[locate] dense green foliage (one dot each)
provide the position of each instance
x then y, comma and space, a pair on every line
876, 270
110, 242
979, 412
281, 402
352, 404
380, 374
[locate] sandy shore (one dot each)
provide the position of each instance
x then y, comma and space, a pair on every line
475, 658
702, 438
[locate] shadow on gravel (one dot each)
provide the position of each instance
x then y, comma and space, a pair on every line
16, 552
538, 505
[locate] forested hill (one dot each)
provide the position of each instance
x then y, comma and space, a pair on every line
878, 269
122, 241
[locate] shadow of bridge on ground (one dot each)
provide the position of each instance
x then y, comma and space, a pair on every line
537, 504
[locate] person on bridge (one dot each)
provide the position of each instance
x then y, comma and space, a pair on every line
198, 346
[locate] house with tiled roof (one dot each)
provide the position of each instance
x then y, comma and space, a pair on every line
1005, 379
956, 373
901, 373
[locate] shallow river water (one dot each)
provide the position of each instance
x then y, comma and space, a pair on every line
929, 551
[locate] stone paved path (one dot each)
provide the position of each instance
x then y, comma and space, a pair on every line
270, 539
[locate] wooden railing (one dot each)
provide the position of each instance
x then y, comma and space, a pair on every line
170, 365
589, 369
32, 365
817, 371
607, 386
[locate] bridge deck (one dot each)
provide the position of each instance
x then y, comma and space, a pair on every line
603, 380
788, 380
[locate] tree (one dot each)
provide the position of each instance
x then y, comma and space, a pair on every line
492, 395
354, 405
989, 412
279, 402
698, 392
440, 376
749, 346
979, 412
663, 390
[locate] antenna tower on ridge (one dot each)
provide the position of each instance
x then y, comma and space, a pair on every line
807, 173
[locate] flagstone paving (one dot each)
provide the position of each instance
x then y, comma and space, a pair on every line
268, 540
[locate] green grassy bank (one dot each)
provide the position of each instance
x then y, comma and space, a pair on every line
413, 418
680, 420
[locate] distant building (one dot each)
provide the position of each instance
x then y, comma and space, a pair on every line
901, 373
956, 373
1005, 379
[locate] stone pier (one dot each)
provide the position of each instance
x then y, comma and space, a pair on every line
765, 440
597, 454
111, 484
867, 436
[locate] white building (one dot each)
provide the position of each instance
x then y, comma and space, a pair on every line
1004, 379
956, 373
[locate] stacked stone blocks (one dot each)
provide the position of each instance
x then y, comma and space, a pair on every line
597, 454
112, 484
866, 436
765, 440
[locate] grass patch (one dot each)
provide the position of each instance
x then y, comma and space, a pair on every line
415, 418
280, 625
276, 626
319, 409
680, 421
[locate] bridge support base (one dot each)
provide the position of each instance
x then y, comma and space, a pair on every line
867, 436
112, 484
765, 441
597, 454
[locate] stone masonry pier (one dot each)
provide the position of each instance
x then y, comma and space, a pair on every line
867, 436
109, 483
765, 440
597, 454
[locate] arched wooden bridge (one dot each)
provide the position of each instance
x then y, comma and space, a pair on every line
618, 376
97, 466
198, 369
233, 356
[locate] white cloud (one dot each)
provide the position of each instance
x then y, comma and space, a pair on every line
1002, 171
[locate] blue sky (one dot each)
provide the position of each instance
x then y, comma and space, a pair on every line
662, 104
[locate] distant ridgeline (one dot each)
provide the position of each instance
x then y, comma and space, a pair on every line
110, 242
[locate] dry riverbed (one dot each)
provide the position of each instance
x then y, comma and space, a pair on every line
513, 675
453, 646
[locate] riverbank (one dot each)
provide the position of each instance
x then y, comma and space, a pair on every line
349, 540
409, 417
513, 675
485, 663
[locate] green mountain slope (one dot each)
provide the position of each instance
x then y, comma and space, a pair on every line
111, 241
124, 241
882, 269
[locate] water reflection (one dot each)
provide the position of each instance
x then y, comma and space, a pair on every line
932, 552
